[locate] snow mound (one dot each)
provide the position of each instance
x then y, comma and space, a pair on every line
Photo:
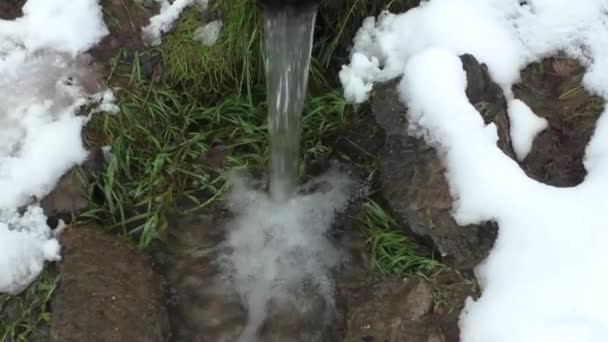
44, 81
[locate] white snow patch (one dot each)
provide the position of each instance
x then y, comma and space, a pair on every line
43, 83
209, 33
163, 21
25, 242
545, 278
524, 127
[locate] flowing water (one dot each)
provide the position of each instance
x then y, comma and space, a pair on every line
289, 37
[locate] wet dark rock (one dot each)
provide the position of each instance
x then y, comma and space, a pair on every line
552, 89
418, 302
108, 291
413, 180
362, 140
309, 318
71, 194
68, 197
204, 308
11, 9
488, 99
200, 308
392, 310
388, 309
95, 161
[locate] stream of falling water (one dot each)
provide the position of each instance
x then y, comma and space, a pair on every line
288, 43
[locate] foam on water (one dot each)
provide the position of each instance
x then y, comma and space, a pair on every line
276, 251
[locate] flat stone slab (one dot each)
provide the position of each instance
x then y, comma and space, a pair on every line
108, 291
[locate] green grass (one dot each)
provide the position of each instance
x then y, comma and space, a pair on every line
209, 98
201, 99
159, 142
393, 252
26, 317
232, 64
162, 136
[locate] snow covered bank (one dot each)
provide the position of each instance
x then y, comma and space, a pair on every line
544, 280
43, 82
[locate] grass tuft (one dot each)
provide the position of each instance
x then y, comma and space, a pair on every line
393, 252
232, 63
26, 317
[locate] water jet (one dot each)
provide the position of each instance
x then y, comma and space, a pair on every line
288, 28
